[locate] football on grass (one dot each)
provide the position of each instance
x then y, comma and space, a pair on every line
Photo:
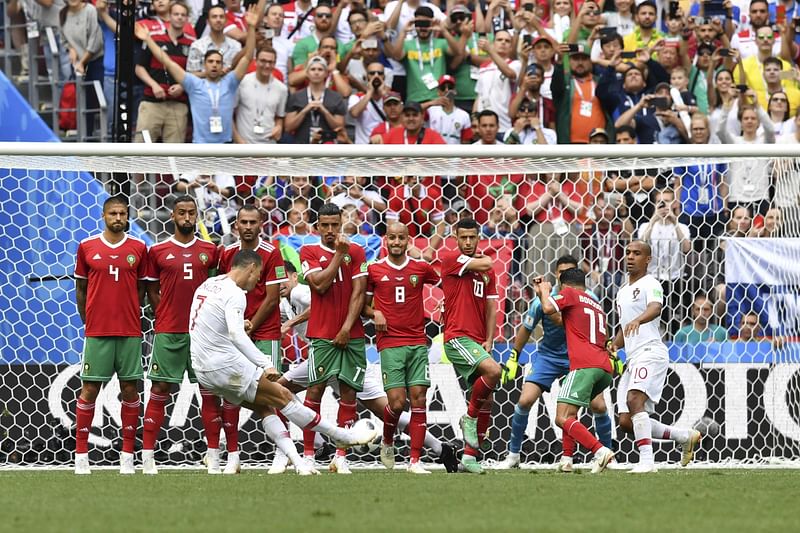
365, 424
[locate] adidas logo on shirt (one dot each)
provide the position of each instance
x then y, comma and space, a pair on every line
96, 256
385, 278
170, 256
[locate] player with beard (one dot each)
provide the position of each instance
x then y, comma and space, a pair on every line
176, 267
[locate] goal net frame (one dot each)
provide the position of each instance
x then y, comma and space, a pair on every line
754, 402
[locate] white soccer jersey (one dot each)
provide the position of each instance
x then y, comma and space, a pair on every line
216, 327
632, 299
299, 300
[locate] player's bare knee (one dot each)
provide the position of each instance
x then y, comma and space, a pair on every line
315, 392
598, 405
89, 391
560, 420
161, 387
128, 391
284, 396
418, 398
491, 373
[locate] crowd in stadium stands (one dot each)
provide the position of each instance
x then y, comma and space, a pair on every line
482, 72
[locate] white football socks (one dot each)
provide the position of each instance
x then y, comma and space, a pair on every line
301, 415
642, 433
276, 431
665, 432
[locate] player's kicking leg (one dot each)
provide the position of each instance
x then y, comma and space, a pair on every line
579, 388
641, 397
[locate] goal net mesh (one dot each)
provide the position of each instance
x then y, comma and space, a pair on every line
725, 233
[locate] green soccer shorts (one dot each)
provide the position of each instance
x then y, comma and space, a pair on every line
171, 358
583, 384
405, 366
105, 356
465, 354
347, 365
271, 349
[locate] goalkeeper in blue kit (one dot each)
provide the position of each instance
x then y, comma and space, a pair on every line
550, 363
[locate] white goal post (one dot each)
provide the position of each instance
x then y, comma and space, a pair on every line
732, 377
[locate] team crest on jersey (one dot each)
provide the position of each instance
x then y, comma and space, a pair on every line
321, 369
204, 258
363, 267
86, 368
280, 272
635, 293
155, 368
485, 278
131, 259
414, 280
347, 258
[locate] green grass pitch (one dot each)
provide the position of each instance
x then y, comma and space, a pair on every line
375, 501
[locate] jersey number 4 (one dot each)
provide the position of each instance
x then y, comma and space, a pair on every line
114, 272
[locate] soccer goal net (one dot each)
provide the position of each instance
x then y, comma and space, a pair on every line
723, 223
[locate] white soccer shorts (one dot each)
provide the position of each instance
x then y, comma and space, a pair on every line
237, 383
373, 386
646, 371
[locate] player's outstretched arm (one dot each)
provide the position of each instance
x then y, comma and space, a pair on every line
651, 312
234, 319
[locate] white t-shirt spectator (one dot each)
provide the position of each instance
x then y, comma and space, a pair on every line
197, 52
494, 90
454, 127
257, 106
668, 258
745, 42
368, 120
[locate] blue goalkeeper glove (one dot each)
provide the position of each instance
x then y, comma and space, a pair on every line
510, 368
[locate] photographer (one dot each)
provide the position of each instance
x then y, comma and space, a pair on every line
527, 127
530, 91
653, 116
669, 241
367, 108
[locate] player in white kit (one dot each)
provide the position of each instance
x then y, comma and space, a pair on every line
227, 363
639, 305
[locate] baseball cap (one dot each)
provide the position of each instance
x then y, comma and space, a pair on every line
598, 131
583, 50
533, 68
412, 106
460, 10
446, 78
316, 59
540, 38
662, 86
393, 96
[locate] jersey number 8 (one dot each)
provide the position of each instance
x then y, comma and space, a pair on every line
399, 295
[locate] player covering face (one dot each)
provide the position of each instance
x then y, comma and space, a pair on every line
395, 302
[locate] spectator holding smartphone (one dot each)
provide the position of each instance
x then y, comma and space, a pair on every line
452, 123
748, 179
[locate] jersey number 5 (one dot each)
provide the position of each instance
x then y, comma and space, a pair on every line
187, 271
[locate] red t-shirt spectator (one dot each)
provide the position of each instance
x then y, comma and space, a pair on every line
399, 135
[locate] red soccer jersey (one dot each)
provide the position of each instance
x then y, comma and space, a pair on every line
397, 293
273, 270
399, 135
180, 269
112, 298
465, 295
585, 325
329, 310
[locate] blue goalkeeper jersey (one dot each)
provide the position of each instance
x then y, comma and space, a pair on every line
554, 339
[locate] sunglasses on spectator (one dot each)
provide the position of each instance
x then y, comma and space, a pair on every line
784, 100
323, 15
765, 37
375, 73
